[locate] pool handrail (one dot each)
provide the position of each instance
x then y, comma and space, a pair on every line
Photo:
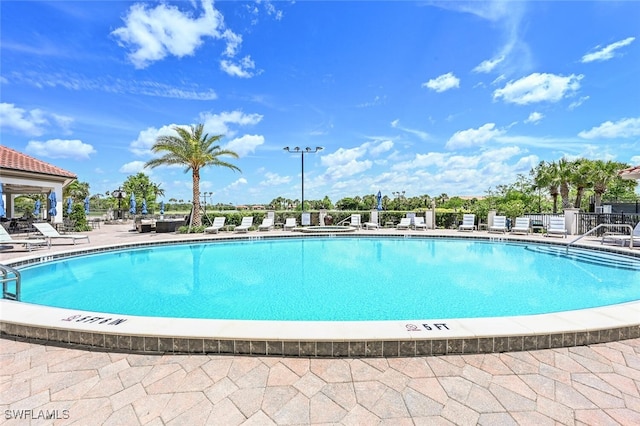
606, 225
5, 278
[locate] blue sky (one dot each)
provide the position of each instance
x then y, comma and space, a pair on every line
421, 97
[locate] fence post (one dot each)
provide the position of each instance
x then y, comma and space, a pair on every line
571, 220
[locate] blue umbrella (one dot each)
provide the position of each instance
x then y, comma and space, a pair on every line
379, 197
52, 203
144, 206
86, 205
132, 204
36, 208
161, 207
69, 205
2, 211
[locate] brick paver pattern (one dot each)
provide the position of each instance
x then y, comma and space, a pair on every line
588, 385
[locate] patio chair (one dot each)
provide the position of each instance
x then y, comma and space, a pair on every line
556, 227
28, 243
216, 226
418, 223
405, 223
355, 221
522, 226
468, 222
623, 239
289, 224
247, 222
266, 225
499, 224
51, 234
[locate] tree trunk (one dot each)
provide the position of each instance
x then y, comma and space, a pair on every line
196, 221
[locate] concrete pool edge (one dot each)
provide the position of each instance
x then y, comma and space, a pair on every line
97, 331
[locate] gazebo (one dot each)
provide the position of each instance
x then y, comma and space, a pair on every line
22, 174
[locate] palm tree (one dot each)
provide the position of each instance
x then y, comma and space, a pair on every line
582, 178
603, 174
545, 176
193, 149
564, 173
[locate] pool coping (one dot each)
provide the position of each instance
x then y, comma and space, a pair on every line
152, 335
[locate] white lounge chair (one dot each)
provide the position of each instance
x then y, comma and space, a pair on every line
290, 223
50, 233
247, 222
556, 227
28, 243
522, 226
370, 225
418, 223
216, 226
468, 222
266, 225
499, 224
405, 223
355, 221
623, 239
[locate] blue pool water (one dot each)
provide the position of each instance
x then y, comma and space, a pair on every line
336, 279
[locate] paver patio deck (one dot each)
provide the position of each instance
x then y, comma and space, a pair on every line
596, 384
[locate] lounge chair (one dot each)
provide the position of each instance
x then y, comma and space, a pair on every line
266, 225
51, 234
623, 239
522, 226
355, 221
468, 222
370, 225
499, 224
216, 226
247, 222
556, 227
405, 223
289, 224
28, 243
418, 223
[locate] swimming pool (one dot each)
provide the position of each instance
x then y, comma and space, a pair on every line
336, 279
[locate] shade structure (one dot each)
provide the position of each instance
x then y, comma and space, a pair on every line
161, 207
69, 205
52, 204
3, 213
132, 204
36, 208
632, 173
144, 206
86, 205
379, 198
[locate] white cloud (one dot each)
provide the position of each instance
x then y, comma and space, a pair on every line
245, 145
444, 82
607, 52
146, 139
243, 69
488, 65
151, 34
60, 148
635, 159
575, 104
273, 179
218, 124
237, 184
134, 167
34, 122
419, 133
473, 137
382, 147
538, 87
534, 117
625, 128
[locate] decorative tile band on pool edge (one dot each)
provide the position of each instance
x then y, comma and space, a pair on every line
324, 349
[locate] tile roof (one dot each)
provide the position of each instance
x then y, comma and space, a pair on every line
13, 160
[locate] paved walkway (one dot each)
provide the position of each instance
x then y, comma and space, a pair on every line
598, 384
595, 385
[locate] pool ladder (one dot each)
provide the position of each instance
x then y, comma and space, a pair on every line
7, 276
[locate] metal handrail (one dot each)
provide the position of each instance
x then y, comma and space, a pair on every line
6, 278
606, 225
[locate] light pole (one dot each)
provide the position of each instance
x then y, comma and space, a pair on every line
119, 194
302, 152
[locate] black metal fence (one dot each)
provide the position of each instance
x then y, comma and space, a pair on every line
588, 221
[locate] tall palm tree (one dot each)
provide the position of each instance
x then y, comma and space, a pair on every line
193, 149
581, 178
545, 176
603, 174
564, 172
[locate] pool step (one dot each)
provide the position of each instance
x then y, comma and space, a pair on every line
602, 259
